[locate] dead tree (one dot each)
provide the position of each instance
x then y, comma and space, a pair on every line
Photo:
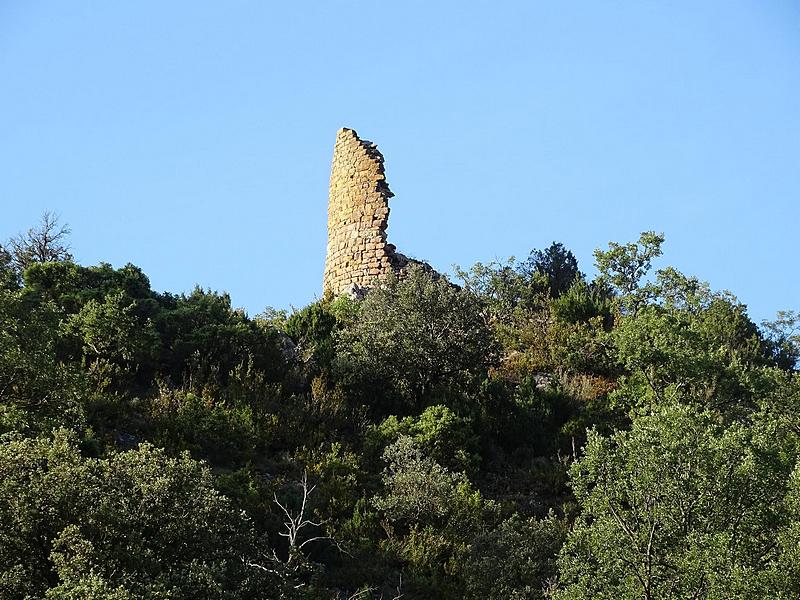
45, 242
296, 522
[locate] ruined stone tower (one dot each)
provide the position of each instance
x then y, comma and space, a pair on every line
358, 215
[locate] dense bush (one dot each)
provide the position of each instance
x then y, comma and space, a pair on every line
137, 524
532, 434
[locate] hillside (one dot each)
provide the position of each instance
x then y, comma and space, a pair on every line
527, 433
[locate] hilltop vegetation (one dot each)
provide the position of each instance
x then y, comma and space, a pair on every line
527, 434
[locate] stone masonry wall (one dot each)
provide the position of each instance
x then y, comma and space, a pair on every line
358, 215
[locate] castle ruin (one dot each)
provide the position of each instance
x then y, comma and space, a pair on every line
358, 254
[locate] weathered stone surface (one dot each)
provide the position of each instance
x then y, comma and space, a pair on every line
358, 216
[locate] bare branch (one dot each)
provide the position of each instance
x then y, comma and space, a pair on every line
45, 242
296, 523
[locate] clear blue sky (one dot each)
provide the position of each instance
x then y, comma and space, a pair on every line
194, 138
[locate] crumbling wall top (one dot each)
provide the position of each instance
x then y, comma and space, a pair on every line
358, 253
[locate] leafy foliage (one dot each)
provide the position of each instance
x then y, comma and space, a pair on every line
515, 561
414, 339
532, 434
558, 265
135, 525
679, 506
